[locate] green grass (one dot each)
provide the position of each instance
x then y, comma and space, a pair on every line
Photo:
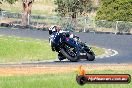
16, 49
98, 51
66, 80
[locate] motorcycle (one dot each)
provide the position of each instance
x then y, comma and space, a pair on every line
70, 48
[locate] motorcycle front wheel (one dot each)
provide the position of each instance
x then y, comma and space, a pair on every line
90, 56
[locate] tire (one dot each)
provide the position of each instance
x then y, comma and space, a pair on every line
75, 59
81, 80
90, 57
61, 57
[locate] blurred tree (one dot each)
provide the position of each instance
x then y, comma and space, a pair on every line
27, 5
9, 1
0, 1
72, 8
115, 10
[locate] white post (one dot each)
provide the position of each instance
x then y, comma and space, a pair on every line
84, 25
1, 15
94, 26
28, 19
116, 26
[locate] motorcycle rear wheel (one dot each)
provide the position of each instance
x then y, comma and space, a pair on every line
72, 59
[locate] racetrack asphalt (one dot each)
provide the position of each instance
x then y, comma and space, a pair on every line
120, 43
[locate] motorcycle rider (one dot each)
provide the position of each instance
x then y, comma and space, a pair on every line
56, 30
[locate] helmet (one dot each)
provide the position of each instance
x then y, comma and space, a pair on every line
52, 29
71, 35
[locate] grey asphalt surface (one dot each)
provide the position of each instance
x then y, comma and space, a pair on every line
120, 43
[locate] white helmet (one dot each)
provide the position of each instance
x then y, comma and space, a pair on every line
52, 29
